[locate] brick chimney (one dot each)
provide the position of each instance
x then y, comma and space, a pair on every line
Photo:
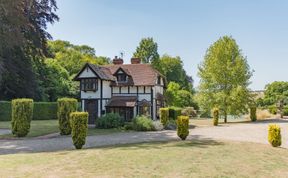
117, 61
135, 60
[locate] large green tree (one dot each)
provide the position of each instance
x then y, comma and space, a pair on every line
175, 96
225, 76
172, 69
147, 51
276, 93
23, 37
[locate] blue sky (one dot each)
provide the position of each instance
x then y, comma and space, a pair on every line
184, 28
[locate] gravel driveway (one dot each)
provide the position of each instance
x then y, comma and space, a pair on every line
250, 132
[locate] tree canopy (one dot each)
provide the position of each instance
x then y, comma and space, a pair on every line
172, 68
147, 51
23, 37
225, 76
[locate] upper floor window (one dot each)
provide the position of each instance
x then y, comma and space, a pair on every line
89, 85
159, 80
121, 78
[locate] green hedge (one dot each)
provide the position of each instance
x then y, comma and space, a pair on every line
22, 113
174, 112
79, 126
143, 123
45, 111
65, 107
5, 111
41, 111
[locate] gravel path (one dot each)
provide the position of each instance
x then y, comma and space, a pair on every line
249, 132
5, 131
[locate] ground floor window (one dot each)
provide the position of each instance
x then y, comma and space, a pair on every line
144, 108
126, 112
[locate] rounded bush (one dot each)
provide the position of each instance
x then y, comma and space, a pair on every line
215, 116
183, 127
274, 135
253, 115
65, 107
79, 126
143, 123
164, 116
110, 120
273, 109
22, 114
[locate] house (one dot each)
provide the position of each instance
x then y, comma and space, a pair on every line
128, 89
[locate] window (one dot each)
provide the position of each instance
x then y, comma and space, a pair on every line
121, 78
144, 110
89, 85
159, 80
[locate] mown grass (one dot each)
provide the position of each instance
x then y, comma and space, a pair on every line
46, 127
199, 158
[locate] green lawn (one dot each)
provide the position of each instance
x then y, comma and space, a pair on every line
45, 127
174, 159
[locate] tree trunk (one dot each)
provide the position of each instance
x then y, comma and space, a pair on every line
225, 117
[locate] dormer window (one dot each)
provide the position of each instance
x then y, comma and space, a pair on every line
89, 85
159, 80
121, 78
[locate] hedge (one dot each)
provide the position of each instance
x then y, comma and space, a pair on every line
253, 115
164, 116
79, 126
183, 127
143, 123
5, 111
174, 112
22, 113
274, 135
215, 113
65, 107
41, 111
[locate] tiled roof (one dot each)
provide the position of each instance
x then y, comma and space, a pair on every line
139, 74
122, 101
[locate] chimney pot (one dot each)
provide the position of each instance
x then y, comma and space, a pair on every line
117, 61
135, 60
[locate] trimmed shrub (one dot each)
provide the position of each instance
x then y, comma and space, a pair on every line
164, 116
272, 109
143, 123
65, 107
22, 113
45, 111
253, 115
274, 135
110, 120
174, 113
183, 127
79, 126
5, 111
215, 116
189, 111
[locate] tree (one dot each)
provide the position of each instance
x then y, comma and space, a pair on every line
23, 37
276, 93
147, 51
172, 69
225, 76
179, 98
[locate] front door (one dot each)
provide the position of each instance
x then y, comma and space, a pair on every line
91, 106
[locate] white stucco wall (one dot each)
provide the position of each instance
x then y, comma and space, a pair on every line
106, 89
87, 73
